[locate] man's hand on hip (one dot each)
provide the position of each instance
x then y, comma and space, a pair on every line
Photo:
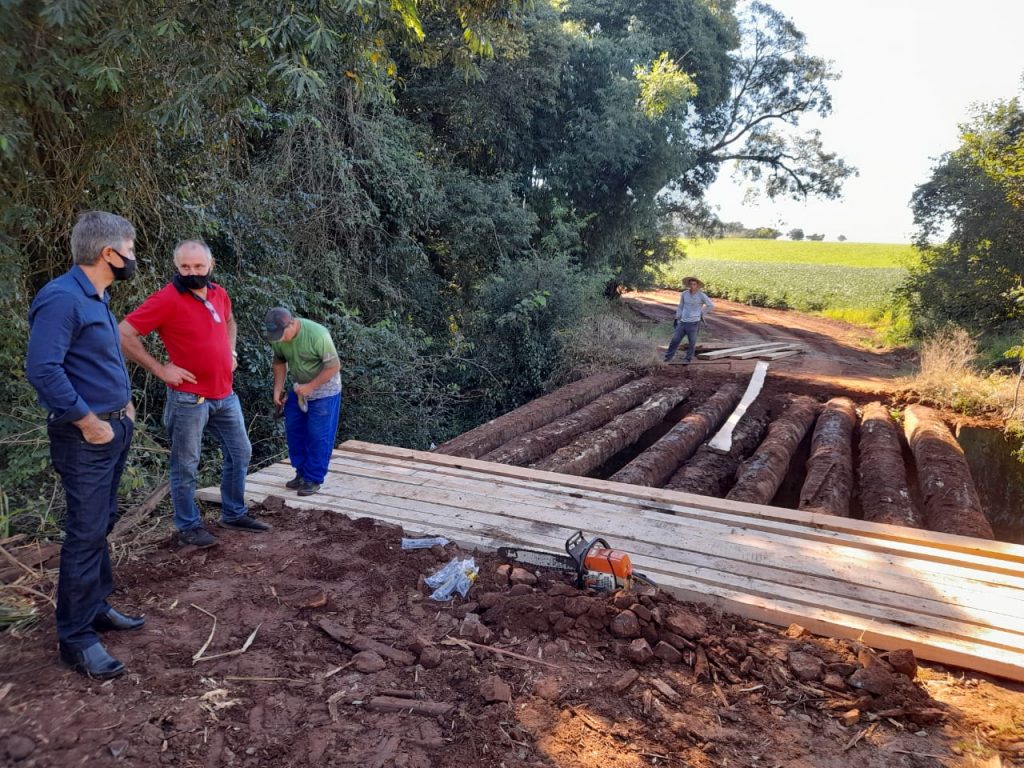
173, 375
94, 430
278, 398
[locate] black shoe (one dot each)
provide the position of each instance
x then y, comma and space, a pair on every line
197, 537
295, 482
114, 619
308, 488
245, 523
94, 662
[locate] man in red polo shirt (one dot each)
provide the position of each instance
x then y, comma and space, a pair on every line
194, 320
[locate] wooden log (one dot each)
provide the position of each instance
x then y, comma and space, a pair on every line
828, 484
549, 438
951, 503
711, 472
656, 465
883, 488
592, 449
536, 413
760, 476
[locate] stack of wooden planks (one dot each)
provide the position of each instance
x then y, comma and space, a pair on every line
951, 599
769, 350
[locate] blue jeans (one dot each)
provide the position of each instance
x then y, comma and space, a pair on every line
186, 419
90, 475
311, 435
683, 329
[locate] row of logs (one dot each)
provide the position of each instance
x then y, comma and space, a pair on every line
950, 500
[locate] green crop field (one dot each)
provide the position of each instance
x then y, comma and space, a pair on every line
849, 281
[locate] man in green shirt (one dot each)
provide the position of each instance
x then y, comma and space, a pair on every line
312, 406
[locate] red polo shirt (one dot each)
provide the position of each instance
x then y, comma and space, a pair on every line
195, 339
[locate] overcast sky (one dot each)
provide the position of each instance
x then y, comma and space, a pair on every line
912, 69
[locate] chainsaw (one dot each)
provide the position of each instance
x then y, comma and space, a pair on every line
597, 566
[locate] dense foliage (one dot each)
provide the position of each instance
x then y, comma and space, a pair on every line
974, 204
448, 185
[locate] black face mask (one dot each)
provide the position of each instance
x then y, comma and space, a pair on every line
125, 271
192, 282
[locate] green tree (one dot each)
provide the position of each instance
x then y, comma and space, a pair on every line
973, 197
795, 234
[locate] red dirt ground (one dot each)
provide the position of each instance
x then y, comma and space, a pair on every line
574, 695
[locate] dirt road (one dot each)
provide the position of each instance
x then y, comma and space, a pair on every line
835, 352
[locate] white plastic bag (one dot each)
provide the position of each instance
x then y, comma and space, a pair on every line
456, 576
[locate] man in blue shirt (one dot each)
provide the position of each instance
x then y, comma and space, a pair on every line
693, 302
77, 368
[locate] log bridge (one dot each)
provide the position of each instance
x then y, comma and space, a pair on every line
952, 599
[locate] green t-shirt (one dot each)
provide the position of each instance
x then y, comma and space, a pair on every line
307, 353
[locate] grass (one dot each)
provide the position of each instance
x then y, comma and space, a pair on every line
949, 376
846, 281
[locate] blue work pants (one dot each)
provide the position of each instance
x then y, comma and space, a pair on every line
311, 434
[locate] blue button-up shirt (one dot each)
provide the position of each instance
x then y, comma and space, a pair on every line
74, 358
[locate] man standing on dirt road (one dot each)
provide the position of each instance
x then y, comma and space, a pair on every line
312, 406
693, 302
75, 364
193, 318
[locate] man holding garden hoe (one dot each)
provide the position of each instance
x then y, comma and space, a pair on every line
692, 304
312, 407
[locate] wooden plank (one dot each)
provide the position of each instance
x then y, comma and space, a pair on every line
926, 644
843, 559
815, 527
827, 571
1013, 554
731, 351
763, 353
722, 441
781, 355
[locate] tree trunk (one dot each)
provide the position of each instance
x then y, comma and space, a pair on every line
549, 438
655, 466
536, 413
709, 472
951, 503
884, 492
592, 449
760, 476
828, 484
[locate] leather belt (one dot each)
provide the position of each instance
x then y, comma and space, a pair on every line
113, 415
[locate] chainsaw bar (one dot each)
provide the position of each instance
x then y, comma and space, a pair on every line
538, 558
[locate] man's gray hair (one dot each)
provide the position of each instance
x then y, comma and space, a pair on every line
191, 241
96, 230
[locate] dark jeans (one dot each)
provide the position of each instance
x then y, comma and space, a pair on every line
90, 475
683, 329
311, 435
